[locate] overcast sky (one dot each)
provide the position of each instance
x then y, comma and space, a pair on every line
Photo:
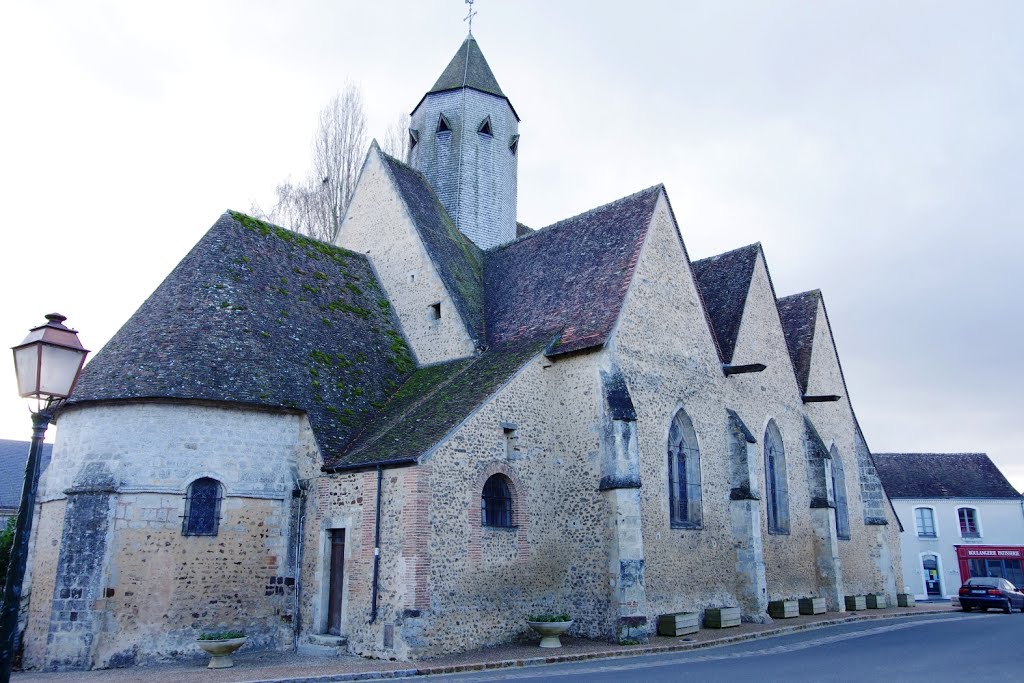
875, 149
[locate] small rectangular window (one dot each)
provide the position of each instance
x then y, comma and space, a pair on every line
435, 311
511, 440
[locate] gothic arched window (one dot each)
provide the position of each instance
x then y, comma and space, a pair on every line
683, 473
496, 502
775, 480
839, 492
202, 508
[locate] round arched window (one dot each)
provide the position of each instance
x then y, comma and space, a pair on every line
496, 502
202, 508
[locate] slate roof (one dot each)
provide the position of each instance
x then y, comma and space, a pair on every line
724, 282
259, 315
799, 313
941, 475
468, 69
569, 278
432, 402
13, 458
459, 262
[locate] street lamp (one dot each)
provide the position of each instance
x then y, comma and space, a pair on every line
47, 365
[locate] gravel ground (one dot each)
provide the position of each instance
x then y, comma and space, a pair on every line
286, 666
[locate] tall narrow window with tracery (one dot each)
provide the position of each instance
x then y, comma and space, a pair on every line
684, 473
776, 482
496, 502
202, 508
839, 493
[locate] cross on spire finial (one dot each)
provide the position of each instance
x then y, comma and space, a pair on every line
469, 16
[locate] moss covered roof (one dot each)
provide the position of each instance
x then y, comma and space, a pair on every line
432, 402
260, 315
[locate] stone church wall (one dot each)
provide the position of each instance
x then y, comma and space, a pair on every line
791, 559
867, 556
667, 355
377, 224
555, 558
125, 586
449, 584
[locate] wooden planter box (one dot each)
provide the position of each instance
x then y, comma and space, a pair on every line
855, 603
905, 600
678, 624
876, 601
783, 609
813, 606
722, 617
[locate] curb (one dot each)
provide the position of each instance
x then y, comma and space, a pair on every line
599, 654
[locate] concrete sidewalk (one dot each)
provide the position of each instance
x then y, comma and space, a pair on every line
280, 667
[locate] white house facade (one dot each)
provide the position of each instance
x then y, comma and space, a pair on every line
961, 518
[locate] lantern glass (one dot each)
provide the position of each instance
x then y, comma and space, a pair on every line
26, 365
59, 369
47, 363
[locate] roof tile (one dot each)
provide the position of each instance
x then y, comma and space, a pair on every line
257, 314
724, 282
569, 278
941, 475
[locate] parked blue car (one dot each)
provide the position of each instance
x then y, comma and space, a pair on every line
990, 591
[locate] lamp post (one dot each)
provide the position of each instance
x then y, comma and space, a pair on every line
47, 365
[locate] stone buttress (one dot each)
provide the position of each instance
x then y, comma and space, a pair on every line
620, 484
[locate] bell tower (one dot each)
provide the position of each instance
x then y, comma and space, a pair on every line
464, 137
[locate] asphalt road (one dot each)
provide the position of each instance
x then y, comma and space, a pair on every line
944, 647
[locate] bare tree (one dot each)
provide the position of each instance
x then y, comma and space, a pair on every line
317, 207
396, 138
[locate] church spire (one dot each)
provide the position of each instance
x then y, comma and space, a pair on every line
464, 137
469, 69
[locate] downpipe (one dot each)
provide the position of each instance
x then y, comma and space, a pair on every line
376, 548
296, 614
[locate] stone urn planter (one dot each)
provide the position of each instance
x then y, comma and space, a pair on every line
220, 649
550, 628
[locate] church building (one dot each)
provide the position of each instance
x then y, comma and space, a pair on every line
403, 444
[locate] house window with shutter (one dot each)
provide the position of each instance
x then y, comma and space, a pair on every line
202, 508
